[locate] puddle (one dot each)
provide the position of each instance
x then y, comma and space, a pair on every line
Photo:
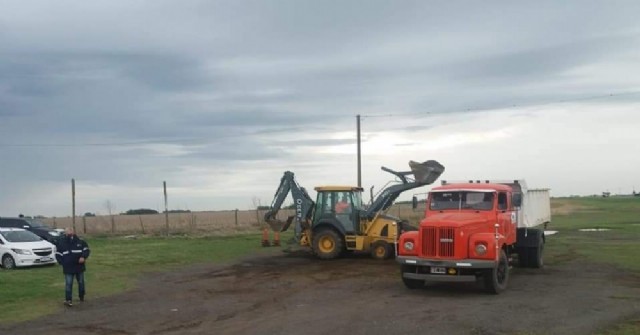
550, 232
594, 229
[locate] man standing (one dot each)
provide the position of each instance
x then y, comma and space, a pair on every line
72, 254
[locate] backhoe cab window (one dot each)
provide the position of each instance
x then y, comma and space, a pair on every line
461, 200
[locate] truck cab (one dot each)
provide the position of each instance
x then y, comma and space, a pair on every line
470, 231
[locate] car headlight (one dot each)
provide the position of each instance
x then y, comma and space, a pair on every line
408, 246
54, 233
22, 251
481, 249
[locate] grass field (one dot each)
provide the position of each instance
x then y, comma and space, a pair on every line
117, 262
620, 245
113, 267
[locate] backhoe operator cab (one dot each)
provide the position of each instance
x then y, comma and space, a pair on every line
337, 221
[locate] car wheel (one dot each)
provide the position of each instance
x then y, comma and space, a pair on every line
8, 262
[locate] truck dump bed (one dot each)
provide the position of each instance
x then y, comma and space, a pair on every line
536, 208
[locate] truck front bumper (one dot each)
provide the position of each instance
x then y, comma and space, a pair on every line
423, 267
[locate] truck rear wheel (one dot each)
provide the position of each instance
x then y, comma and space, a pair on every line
523, 257
327, 244
411, 284
496, 279
535, 255
381, 250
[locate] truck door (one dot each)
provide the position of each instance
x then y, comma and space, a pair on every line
505, 217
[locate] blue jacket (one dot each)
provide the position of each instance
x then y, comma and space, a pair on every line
70, 249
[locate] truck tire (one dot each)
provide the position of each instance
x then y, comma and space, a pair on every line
535, 255
497, 279
411, 284
8, 263
381, 250
523, 257
327, 244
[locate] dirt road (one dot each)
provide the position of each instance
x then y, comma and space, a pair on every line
297, 294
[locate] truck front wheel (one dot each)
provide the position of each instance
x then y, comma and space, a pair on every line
496, 279
411, 284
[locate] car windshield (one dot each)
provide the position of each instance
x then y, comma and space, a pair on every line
461, 200
20, 236
37, 224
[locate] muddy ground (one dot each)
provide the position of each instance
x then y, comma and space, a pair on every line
297, 294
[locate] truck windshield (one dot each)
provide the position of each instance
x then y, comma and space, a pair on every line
461, 200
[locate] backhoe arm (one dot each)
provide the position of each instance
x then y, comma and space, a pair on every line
303, 204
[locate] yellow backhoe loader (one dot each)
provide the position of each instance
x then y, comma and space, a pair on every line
337, 221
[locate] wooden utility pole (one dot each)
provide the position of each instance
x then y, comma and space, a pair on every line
73, 203
359, 153
166, 207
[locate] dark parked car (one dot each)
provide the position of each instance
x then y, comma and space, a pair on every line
35, 226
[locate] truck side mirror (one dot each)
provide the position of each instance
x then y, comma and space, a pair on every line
516, 200
414, 202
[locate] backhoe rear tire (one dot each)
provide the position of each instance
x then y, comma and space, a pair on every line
327, 244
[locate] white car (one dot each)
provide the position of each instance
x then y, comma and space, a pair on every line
20, 247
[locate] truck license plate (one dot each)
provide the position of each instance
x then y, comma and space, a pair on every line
438, 270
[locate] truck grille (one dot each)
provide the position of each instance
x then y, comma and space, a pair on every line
438, 242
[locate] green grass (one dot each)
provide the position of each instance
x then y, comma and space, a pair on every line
114, 266
619, 246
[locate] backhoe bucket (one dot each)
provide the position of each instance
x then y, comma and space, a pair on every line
279, 225
427, 172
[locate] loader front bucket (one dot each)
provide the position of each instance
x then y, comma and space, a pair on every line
427, 172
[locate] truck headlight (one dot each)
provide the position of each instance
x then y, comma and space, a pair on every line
481, 249
408, 246
22, 251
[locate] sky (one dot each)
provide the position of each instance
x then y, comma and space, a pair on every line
219, 98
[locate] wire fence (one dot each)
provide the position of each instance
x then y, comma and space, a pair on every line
208, 223
231, 221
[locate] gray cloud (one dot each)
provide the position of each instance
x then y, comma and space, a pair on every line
171, 89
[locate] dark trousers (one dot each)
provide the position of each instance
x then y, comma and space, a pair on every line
68, 285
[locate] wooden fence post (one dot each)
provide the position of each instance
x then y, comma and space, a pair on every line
141, 225
73, 203
84, 224
236, 216
166, 208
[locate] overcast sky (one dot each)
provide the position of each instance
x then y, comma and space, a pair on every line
220, 98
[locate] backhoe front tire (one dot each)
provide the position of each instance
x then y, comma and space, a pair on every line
327, 244
381, 250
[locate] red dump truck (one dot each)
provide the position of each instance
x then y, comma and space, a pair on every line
474, 230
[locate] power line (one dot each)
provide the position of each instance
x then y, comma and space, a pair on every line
470, 110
